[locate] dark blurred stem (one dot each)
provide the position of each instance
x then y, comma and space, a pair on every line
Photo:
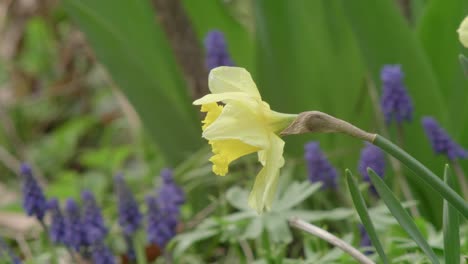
184, 42
461, 177
405, 7
396, 165
400, 179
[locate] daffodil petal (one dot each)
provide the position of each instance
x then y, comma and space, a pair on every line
238, 121
232, 79
266, 182
226, 151
463, 32
225, 97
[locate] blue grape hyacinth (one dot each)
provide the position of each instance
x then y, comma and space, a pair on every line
441, 142
170, 196
129, 214
95, 228
164, 210
217, 53
57, 225
319, 168
395, 102
101, 254
75, 230
374, 158
34, 200
161, 223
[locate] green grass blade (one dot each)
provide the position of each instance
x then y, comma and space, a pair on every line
400, 214
131, 45
424, 173
361, 209
451, 226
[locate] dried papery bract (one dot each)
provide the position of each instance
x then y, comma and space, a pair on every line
318, 122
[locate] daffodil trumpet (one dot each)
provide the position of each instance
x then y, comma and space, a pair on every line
238, 122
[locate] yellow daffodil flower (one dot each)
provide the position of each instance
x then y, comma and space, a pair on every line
463, 32
241, 125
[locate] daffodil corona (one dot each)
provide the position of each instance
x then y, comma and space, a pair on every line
241, 125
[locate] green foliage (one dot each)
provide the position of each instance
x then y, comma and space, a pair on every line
451, 225
361, 209
400, 214
139, 59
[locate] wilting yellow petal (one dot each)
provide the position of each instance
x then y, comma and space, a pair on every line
232, 79
213, 110
463, 32
266, 182
237, 121
227, 151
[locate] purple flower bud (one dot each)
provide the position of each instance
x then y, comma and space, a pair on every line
101, 254
164, 211
75, 232
374, 158
95, 228
161, 224
395, 102
441, 141
129, 213
170, 196
217, 53
57, 228
6, 250
319, 168
34, 201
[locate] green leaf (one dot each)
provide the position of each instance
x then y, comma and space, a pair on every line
278, 228
451, 225
295, 194
67, 185
237, 197
438, 36
361, 209
400, 214
137, 55
308, 59
38, 48
184, 241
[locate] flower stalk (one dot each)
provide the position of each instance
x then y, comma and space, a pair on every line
318, 122
330, 238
